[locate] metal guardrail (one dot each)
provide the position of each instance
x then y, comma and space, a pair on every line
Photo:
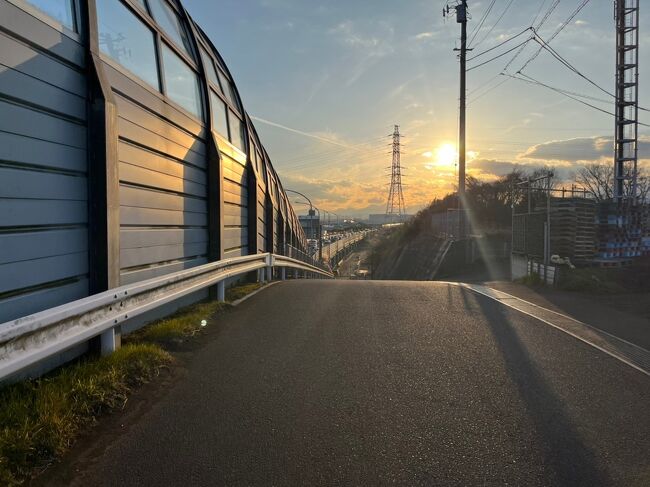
27, 341
332, 250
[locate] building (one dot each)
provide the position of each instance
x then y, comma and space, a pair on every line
311, 225
126, 152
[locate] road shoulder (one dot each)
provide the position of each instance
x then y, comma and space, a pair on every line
623, 350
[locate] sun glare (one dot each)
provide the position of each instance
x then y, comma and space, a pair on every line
446, 155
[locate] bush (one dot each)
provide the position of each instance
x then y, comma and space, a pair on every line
588, 280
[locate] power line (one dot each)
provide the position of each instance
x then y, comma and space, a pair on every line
483, 85
500, 44
536, 28
539, 11
556, 55
495, 24
500, 55
564, 93
571, 67
473, 100
588, 97
557, 31
322, 153
480, 24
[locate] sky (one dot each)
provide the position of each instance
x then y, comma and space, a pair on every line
326, 82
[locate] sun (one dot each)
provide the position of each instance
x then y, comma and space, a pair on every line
446, 155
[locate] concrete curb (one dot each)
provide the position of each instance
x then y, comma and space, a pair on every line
250, 295
622, 350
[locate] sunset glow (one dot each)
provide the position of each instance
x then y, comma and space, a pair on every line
446, 155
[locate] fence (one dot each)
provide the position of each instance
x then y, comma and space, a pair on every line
26, 341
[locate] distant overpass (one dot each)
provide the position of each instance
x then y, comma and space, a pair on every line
334, 250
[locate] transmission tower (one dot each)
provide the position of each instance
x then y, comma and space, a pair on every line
627, 99
395, 208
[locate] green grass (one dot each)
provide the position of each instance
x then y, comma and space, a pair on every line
238, 292
184, 323
41, 418
531, 280
589, 280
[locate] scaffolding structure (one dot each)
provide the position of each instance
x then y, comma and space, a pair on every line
627, 101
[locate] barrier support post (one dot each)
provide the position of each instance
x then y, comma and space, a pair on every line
110, 340
221, 291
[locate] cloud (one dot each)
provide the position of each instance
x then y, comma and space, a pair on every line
581, 149
340, 195
369, 42
423, 36
350, 34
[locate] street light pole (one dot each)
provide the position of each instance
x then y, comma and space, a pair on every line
311, 221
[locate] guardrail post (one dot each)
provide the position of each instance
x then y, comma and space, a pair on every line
269, 268
110, 340
221, 291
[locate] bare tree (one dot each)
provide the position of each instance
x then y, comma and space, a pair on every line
643, 186
598, 179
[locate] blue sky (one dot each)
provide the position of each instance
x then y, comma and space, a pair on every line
346, 71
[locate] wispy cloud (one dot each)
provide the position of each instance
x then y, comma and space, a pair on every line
328, 140
423, 36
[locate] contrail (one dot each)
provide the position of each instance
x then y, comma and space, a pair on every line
306, 134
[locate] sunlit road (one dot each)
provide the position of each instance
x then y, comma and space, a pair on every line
375, 383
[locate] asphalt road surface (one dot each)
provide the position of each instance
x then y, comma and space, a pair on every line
383, 383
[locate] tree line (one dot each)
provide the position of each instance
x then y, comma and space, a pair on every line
491, 202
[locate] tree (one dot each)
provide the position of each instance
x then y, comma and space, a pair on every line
598, 179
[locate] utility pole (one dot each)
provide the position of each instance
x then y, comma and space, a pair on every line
627, 100
461, 9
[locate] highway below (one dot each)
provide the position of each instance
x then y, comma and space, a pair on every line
380, 383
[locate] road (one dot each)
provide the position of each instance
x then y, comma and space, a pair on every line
382, 383
330, 250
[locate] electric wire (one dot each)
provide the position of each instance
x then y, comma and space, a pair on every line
575, 98
500, 44
500, 55
572, 68
587, 97
560, 28
477, 97
505, 10
536, 28
480, 24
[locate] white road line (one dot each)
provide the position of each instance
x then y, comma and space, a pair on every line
511, 303
251, 294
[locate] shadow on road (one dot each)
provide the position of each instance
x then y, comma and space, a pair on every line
572, 462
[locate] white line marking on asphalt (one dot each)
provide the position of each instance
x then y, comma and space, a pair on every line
494, 294
250, 295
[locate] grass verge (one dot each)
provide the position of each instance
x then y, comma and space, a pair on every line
41, 418
184, 323
238, 292
589, 280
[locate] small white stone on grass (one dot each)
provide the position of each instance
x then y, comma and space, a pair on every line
204, 323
